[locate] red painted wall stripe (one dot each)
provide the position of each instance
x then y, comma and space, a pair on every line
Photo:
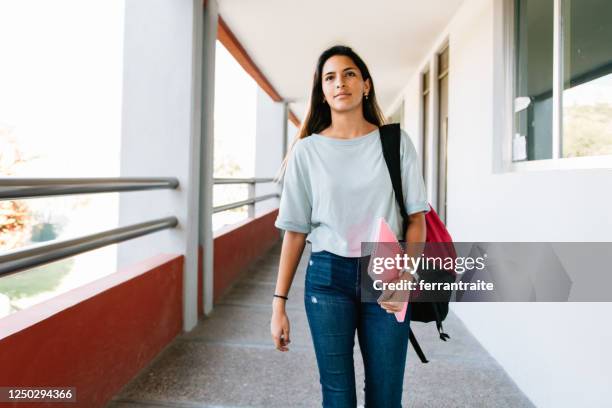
96, 337
239, 246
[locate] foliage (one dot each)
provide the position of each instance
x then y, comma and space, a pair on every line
587, 130
37, 280
229, 193
15, 216
15, 221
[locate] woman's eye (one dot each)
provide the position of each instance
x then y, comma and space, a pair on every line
328, 78
351, 73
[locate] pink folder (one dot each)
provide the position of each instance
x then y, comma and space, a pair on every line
384, 240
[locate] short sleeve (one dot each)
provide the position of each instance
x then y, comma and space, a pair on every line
295, 207
413, 186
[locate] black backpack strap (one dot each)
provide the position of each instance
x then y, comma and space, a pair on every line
390, 137
417, 348
443, 336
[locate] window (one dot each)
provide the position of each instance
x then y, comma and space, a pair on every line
563, 79
425, 119
587, 85
534, 79
443, 66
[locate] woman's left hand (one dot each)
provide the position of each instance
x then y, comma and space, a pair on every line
392, 307
393, 300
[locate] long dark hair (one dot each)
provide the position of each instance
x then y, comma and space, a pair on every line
318, 115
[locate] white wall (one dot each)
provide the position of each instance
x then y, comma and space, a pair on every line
557, 353
161, 130
292, 131
271, 123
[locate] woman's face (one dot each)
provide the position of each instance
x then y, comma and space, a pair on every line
342, 83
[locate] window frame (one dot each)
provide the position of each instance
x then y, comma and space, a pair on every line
424, 116
505, 78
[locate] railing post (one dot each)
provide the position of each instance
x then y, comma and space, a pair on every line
251, 210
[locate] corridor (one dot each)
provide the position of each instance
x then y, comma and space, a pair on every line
228, 360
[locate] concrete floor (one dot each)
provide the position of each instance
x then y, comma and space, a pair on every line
229, 360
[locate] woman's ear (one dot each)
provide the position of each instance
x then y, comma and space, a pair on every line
366, 87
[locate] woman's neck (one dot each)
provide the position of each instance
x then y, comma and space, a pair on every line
348, 125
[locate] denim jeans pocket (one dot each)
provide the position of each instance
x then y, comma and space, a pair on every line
319, 270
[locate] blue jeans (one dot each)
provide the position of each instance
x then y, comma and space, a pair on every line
334, 308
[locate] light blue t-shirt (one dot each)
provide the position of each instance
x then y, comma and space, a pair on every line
335, 190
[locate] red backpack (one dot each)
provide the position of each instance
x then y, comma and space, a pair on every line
438, 243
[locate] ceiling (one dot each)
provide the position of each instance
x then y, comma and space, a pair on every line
285, 37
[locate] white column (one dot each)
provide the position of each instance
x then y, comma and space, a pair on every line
161, 130
206, 197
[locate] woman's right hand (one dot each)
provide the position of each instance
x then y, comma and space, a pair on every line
279, 328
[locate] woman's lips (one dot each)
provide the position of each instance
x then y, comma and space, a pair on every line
342, 95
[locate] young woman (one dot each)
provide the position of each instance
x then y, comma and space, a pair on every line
336, 186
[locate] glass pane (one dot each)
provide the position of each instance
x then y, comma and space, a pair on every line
533, 92
425, 135
443, 61
587, 95
442, 145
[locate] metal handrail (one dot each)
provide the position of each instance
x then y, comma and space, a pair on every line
17, 260
242, 180
19, 188
248, 201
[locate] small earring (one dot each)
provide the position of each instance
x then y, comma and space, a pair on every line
324, 101
366, 96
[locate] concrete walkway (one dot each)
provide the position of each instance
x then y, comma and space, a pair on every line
229, 360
